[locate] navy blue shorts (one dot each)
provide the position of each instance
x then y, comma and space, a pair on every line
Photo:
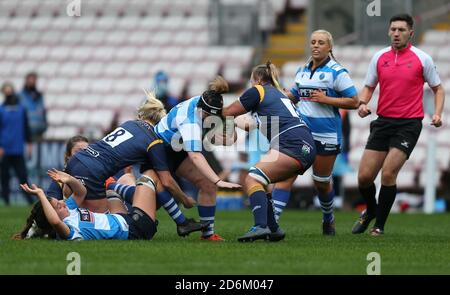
327, 149
297, 143
95, 187
141, 226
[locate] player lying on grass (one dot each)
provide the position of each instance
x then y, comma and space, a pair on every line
70, 222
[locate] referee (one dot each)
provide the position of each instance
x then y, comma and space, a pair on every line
401, 70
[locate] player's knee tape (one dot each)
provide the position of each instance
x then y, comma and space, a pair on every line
112, 195
255, 188
324, 179
259, 175
147, 181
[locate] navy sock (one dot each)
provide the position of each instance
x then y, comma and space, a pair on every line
126, 191
168, 202
207, 214
280, 198
327, 205
258, 203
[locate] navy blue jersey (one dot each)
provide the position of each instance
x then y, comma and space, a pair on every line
54, 190
270, 107
133, 142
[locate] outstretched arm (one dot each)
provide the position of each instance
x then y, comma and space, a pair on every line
52, 217
174, 189
234, 109
78, 189
200, 162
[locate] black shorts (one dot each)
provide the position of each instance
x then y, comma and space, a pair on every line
394, 132
174, 160
297, 143
95, 187
141, 226
327, 149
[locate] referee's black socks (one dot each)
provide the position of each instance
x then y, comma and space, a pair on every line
385, 202
368, 194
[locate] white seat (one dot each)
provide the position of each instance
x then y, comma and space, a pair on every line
113, 101
23, 68
150, 23
15, 53
183, 38
50, 38
194, 53
59, 53
149, 53
201, 38
115, 69
196, 23
83, 23
217, 53
206, 70
57, 85
106, 23
92, 69
137, 69
67, 101
89, 100
443, 54
94, 38
196, 87
55, 117
128, 23
38, 53
28, 38
171, 53
124, 86
63, 23
81, 53
241, 54
138, 38
6, 68
176, 86
116, 37
126, 53
161, 38
434, 37
183, 69
172, 23
232, 73
69, 69
101, 118
77, 118
48, 69
18, 23
79, 86
73, 37
8, 37
103, 53
40, 23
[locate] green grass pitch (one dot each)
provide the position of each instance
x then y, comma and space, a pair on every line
413, 244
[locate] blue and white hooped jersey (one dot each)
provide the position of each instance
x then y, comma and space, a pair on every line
323, 120
182, 125
270, 106
86, 225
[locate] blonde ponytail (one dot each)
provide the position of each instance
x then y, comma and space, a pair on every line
152, 109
